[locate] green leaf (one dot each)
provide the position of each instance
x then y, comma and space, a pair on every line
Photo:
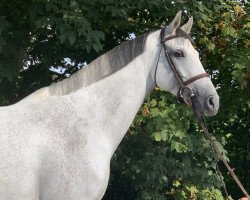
63, 38
153, 103
97, 47
157, 137
211, 46
180, 134
178, 147
229, 31
155, 112
99, 34
247, 25
72, 39
164, 135
176, 183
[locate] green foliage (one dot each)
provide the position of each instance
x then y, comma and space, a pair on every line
167, 155
164, 155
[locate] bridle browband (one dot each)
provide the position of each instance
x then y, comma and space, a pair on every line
183, 85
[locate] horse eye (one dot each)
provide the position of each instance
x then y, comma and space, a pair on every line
178, 54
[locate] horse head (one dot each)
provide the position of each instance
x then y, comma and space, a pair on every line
180, 64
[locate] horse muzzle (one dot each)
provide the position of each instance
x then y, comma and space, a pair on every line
211, 105
207, 104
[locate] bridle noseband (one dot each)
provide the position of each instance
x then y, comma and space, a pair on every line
183, 85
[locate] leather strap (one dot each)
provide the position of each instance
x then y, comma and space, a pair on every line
169, 38
182, 84
216, 148
189, 101
195, 78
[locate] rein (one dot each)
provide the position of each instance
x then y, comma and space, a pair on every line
190, 101
215, 147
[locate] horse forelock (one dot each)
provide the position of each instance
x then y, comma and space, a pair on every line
105, 65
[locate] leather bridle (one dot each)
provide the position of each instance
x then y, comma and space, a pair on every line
183, 85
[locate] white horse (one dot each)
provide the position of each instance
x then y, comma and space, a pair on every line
56, 144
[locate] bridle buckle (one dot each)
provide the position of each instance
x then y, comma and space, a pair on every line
183, 98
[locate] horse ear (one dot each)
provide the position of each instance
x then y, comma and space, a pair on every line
188, 26
175, 23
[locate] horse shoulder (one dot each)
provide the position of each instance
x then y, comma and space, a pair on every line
57, 146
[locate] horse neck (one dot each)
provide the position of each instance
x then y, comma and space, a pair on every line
114, 101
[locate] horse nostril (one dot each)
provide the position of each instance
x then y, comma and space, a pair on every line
211, 105
210, 102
